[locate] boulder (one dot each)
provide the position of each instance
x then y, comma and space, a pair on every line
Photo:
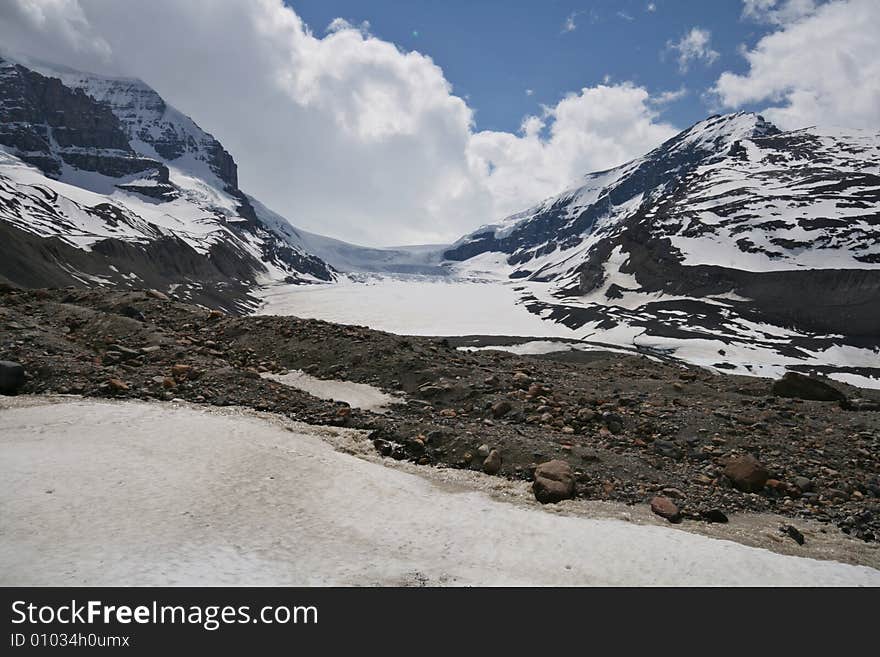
181, 371
665, 508
667, 448
713, 515
156, 294
554, 482
805, 484
11, 377
799, 386
492, 463
117, 385
746, 473
500, 409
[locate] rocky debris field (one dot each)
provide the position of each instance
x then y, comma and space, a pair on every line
694, 445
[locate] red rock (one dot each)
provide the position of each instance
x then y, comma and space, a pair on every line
746, 473
665, 508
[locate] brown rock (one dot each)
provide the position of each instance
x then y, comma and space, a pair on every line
215, 314
746, 473
536, 390
156, 294
501, 408
665, 508
492, 464
554, 482
118, 385
783, 488
181, 371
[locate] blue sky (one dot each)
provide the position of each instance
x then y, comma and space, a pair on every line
493, 51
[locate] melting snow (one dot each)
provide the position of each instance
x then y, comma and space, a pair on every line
356, 395
104, 493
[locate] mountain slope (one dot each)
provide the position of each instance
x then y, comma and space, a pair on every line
732, 238
102, 182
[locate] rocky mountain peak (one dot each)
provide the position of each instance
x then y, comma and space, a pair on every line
154, 128
50, 125
721, 130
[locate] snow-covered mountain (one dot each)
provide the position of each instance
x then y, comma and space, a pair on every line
103, 182
733, 238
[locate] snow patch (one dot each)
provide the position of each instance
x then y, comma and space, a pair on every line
356, 395
131, 493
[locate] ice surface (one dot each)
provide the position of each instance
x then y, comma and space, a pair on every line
414, 305
484, 304
130, 493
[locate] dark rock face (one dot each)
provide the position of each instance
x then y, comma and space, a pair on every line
144, 116
36, 111
11, 377
747, 474
798, 386
554, 482
29, 261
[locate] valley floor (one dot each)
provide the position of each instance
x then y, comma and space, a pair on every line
134, 493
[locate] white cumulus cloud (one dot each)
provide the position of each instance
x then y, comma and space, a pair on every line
821, 68
694, 46
595, 129
778, 11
